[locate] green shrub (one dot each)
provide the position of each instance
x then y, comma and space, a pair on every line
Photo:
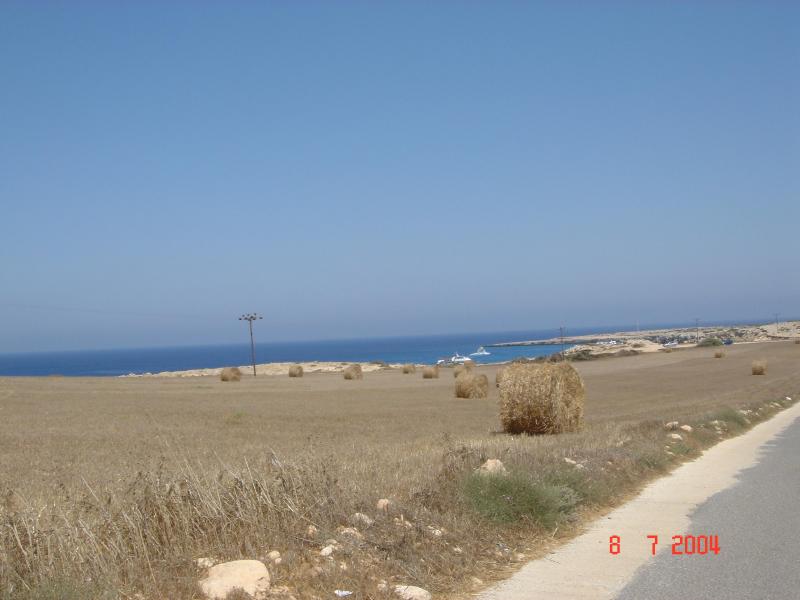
710, 341
513, 497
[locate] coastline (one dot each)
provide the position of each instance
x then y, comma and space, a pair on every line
653, 340
581, 347
272, 368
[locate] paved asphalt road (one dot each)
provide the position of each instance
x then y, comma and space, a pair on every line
758, 524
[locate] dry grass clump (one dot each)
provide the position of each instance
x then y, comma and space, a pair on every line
409, 368
296, 371
230, 374
353, 372
759, 367
719, 354
430, 372
797, 341
498, 376
541, 398
471, 385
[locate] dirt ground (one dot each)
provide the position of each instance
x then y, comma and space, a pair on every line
60, 431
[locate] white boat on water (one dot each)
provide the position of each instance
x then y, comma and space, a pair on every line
456, 359
480, 352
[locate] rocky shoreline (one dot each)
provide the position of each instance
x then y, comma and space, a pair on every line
653, 340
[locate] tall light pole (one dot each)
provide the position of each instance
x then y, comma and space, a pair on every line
697, 330
250, 317
776, 324
563, 348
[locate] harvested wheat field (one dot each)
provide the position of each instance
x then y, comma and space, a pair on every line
119, 485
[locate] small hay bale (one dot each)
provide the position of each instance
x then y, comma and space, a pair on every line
353, 372
463, 367
296, 371
409, 368
430, 372
719, 354
759, 367
498, 376
541, 398
230, 374
472, 385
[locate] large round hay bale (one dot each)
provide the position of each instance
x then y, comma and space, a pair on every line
719, 354
353, 372
463, 367
472, 385
409, 368
541, 398
498, 376
230, 374
759, 367
430, 372
296, 371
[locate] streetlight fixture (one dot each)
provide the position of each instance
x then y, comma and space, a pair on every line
250, 317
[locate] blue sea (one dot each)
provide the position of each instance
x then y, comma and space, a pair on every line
416, 349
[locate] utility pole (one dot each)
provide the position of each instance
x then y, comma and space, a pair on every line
563, 346
697, 330
776, 324
250, 317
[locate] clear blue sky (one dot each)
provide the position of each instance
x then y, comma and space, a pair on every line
371, 168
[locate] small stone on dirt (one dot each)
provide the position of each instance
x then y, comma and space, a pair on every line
675, 436
686, 428
249, 575
350, 532
361, 519
411, 592
383, 505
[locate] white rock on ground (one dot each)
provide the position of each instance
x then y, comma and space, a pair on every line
204, 563
249, 575
569, 461
350, 532
383, 505
675, 436
671, 426
312, 531
493, 466
273, 555
361, 519
686, 428
326, 551
411, 592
